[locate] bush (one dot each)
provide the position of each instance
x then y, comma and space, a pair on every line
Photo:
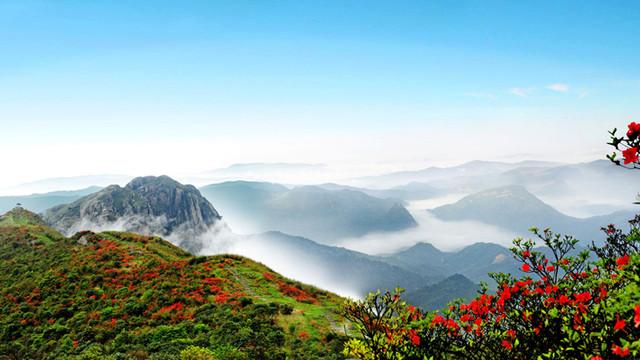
567, 308
196, 353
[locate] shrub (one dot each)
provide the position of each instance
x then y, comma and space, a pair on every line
196, 353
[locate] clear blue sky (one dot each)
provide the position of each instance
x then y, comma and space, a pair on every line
279, 80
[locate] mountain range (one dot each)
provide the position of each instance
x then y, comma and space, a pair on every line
514, 208
309, 211
293, 229
41, 202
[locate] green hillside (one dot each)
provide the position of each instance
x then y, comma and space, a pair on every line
126, 296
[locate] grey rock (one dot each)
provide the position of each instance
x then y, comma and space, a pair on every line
148, 205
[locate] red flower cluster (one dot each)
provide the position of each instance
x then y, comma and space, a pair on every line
617, 350
173, 307
630, 155
622, 261
296, 293
634, 130
413, 336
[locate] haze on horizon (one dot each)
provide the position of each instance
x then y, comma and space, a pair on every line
364, 87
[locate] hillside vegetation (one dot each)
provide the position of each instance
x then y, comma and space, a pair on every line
119, 295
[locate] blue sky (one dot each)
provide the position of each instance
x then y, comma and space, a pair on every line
121, 87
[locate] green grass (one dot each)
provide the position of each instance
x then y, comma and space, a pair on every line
120, 292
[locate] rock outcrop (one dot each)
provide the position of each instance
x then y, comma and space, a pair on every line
149, 205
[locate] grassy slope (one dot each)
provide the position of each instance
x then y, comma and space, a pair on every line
143, 297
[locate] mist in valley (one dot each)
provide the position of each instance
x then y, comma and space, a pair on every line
444, 235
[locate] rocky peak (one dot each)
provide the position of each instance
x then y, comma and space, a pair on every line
149, 205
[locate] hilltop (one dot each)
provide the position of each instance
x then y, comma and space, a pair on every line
149, 205
127, 296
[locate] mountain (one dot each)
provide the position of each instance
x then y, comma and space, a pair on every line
515, 208
309, 211
343, 271
67, 183
115, 295
585, 189
149, 205
277, 172
410, 191
437, 296
474, 261
474, 168
40, 202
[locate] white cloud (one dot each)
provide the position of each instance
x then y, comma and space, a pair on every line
558, 87
522, 92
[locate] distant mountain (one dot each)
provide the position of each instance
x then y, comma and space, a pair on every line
277, 172
40, 202
592, 188
470, 169
67, 183
337, 269
516, 209
437, 296
310, 211
115, 295
149, 205
583, 189
474, 261
411, 191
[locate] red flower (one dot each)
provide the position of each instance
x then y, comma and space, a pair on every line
595, 357
438, 320
617, 350
583, 297
526, 267
634, 130
550, 268
622, 261
636, 318
620, 324
75, 344
526, 253
415, 339
563, 299
506, 344
630, 155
